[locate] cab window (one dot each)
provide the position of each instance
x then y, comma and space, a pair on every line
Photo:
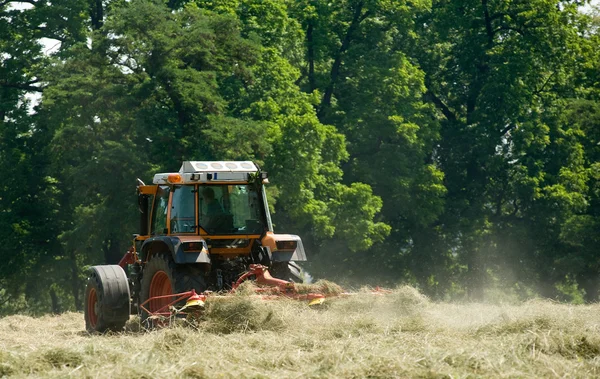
159, 213
183, 215
230, 209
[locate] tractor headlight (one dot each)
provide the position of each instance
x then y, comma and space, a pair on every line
193, 246
287, 245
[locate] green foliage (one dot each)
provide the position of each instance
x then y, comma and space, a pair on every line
29, 194
499, 74
454, 145
349, 220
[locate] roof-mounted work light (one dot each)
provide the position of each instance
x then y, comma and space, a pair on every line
174, 178
264, 177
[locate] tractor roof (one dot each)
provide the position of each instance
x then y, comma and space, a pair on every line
208, 171
218, 166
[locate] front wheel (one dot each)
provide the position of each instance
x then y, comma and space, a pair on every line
162, 277
107, 299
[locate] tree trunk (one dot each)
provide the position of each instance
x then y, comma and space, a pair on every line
475, 275
76, 285
590, 282
112, 251
96, 14
311, 58
335, 68
55, 303
547, 288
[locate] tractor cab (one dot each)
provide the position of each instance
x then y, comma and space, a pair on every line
210, 199
216, 214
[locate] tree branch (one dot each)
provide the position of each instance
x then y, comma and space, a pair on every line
364, 16
311, 57
498, 15
357, 18
5, 300
50, 35
510, 28
34, 3
507, 129
516, 208
301, 77
537, 92
450, 116
23, 86
488, 24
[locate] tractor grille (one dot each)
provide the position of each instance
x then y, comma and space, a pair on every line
233, 243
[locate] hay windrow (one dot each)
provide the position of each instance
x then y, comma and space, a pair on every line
247, 288
7, 364
324, 287
408, 297
62, 357
239, 313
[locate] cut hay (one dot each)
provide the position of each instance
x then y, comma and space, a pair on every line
324, 287
240, 313
396, 335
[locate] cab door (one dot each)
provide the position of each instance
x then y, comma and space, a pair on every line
160, 210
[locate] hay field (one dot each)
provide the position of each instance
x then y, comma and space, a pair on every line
398, 335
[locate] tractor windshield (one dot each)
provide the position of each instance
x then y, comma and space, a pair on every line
231, 209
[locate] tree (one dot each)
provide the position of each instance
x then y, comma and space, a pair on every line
580, 231
32, 258
372, 92
496, 71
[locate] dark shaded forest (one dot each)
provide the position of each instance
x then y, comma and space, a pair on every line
450, 145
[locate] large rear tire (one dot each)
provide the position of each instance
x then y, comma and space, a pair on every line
162, 276
107, 299
289, 271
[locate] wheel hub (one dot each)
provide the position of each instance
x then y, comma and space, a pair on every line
160, 286
93, 307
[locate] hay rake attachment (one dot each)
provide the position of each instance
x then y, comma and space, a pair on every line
269, 288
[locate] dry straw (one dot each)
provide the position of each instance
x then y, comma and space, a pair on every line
400, 334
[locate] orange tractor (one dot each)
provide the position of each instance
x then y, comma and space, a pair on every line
203, 231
